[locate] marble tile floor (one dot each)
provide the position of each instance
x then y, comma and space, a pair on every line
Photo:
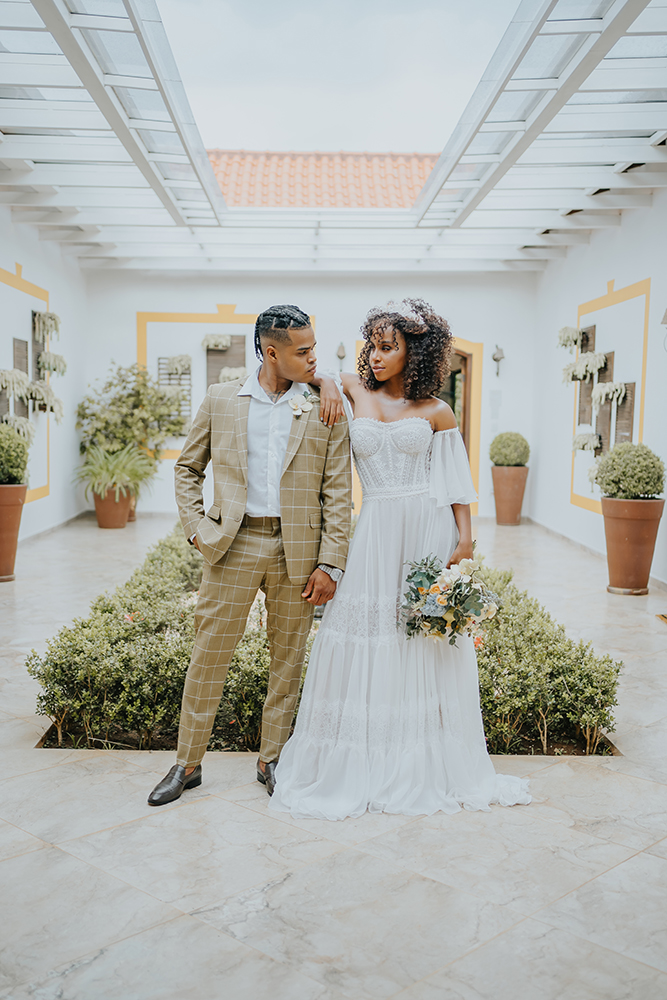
214, 897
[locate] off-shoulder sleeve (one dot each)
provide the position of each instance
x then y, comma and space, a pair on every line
450, 480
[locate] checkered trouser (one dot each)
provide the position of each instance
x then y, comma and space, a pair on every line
254, 561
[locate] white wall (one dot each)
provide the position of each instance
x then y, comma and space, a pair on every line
629, 253
43, 265
488, 308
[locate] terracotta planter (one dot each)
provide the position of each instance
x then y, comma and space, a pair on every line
12, 499
630, 528
132, 515
112, 513
509, 484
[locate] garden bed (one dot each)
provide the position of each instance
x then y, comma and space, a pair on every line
114, 679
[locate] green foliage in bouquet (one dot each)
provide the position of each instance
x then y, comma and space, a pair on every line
13, 456
630, 472
535, 681
130, 408
509, 448
443, 603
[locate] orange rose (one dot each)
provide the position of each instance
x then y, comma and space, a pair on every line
422, 590
441, 600
435, 589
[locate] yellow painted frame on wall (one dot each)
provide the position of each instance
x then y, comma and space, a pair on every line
18, 282
613, 298
226, 314
476, 351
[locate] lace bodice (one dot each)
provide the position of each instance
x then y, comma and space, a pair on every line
392, 459
404, 458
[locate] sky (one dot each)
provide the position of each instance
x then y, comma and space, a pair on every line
376, 75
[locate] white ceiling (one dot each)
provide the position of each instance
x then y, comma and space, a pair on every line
99, 149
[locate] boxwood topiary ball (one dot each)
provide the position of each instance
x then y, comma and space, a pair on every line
509, 449
630, 472
13, 457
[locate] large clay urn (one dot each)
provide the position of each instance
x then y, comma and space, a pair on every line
631, 528
112, 513
509, 484
12, 499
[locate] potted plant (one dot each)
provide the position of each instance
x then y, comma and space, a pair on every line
509, 453
631, 478
13, 465
114, 477
131, 408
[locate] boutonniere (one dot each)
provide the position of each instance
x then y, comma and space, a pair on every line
301, 403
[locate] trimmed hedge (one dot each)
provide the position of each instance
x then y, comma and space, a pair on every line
535, 682
120, 670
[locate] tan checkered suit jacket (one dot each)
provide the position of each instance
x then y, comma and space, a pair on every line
315, 489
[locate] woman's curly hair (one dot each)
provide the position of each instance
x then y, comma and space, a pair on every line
428, 340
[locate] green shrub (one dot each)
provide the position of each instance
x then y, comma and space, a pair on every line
509, 449
122, 668
13, 456
630, 472
535, 682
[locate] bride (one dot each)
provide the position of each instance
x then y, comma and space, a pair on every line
388, 724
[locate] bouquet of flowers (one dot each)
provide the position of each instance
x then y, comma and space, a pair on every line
446, 602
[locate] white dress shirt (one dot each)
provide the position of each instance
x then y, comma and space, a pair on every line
269, 426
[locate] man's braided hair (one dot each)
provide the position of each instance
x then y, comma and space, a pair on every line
276, 322
428, 340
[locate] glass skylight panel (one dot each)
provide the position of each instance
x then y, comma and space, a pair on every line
513, 107
29, 42
548, 56
189, 194
146, 104
619, 97
575, 10
100, 8
118, 52
468, 171
489, 142
640, 47
176, 171
160, 142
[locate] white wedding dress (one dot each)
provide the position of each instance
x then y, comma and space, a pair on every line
386, 723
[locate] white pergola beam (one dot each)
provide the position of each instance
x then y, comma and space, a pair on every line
502, 200
93, 217
523, 179
57, 19
593, 49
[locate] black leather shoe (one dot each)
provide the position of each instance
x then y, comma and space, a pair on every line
173, 786
268, 777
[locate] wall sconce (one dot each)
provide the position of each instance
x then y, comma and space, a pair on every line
497, 356
340, 354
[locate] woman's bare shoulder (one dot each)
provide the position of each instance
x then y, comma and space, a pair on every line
442, 416
351, 383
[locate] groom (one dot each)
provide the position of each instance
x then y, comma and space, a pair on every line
279, 522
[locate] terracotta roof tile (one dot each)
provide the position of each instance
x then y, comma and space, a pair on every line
320, 180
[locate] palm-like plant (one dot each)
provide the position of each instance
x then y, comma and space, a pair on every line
122, 471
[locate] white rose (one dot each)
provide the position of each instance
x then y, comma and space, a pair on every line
468, 566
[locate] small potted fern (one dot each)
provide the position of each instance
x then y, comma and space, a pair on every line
114, 478
631, 478
509, 453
